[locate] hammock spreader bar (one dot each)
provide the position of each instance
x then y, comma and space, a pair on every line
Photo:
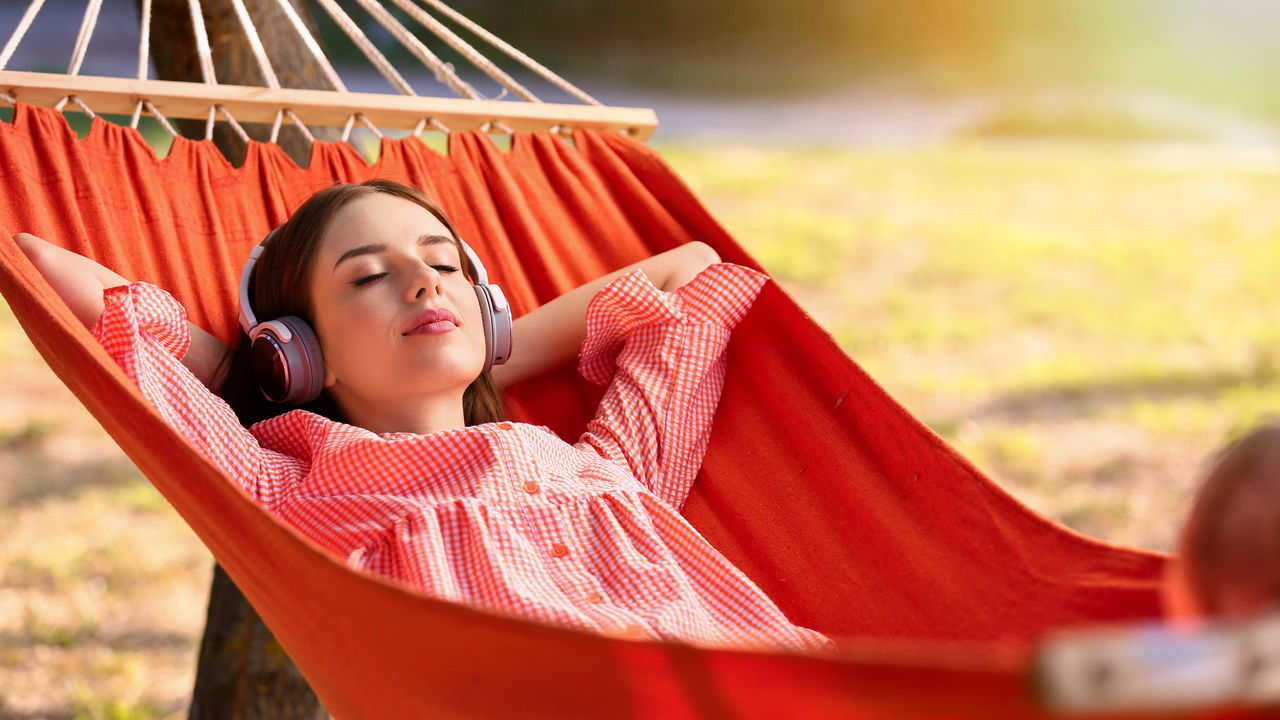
257, 105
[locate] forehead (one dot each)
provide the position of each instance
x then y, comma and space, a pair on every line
378, 218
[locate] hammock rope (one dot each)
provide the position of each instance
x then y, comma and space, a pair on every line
312, 46
75, 99
255, 45
20, 31
203, 51
87, 27
144, 39
346, 129
146, 104
466, 50
275, 127
367, 47
502, 45
430, 121
443, 72
208, 125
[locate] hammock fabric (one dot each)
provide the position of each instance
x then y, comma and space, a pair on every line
854, 517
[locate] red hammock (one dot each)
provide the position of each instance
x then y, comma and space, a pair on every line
854, 517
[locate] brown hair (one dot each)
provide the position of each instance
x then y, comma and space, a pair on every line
1232, 538
281, 286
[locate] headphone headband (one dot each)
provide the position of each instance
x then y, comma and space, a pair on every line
247, 319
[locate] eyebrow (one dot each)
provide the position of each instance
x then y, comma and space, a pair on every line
366, 249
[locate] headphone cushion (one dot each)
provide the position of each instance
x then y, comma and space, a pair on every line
292, 369
497, 324
486, 319
308, 381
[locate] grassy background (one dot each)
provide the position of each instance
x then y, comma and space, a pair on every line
1086, 321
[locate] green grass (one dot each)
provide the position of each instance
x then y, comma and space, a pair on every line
1031, 290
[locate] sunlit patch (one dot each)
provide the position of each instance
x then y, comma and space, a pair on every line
367, 144
153, 132
436, 140
502, 141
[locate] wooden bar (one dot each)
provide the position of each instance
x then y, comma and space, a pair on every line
317, 107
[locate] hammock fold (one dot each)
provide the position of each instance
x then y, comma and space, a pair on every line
853, 516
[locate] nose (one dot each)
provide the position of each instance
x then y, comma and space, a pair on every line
427, 280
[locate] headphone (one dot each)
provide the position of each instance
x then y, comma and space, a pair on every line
285, 353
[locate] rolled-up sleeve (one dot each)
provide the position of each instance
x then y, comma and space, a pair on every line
144, 330
663, 357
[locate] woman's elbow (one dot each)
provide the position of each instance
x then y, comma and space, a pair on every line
704, 256
694, 257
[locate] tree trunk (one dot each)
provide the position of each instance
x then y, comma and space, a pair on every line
173, 49
242, 671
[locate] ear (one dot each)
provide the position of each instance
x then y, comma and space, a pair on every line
329, 378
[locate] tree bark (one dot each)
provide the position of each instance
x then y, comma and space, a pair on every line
242, 670
173, 49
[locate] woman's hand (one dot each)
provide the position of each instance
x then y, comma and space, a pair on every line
551, 335
80, 281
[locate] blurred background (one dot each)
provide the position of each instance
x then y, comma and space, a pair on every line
1048, 228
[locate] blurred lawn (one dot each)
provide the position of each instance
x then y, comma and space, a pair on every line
1086, 322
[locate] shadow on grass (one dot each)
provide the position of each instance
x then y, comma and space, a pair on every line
39, 475
112, 710
1076, 400
116, 642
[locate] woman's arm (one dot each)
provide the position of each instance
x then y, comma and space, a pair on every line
551, 335
80, 282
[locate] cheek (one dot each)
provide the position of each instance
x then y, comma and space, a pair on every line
347, 328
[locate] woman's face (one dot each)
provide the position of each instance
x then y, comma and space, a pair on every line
381, 263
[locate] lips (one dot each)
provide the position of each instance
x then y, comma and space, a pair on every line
437, 318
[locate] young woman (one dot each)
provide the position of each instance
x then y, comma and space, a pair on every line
404, 466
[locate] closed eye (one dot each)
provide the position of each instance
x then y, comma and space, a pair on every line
367, 279
373, 278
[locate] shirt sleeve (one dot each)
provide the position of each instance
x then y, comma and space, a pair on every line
144, 330
662, 355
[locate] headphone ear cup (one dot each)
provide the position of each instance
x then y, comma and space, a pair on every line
306, 363
497, 325
288, 371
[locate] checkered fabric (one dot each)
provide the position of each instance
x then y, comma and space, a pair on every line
507, 516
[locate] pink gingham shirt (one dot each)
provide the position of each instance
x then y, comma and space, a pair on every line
507, 516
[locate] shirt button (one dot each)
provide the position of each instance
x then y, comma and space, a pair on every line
531, 487
594, 597
504, 426
559, 550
